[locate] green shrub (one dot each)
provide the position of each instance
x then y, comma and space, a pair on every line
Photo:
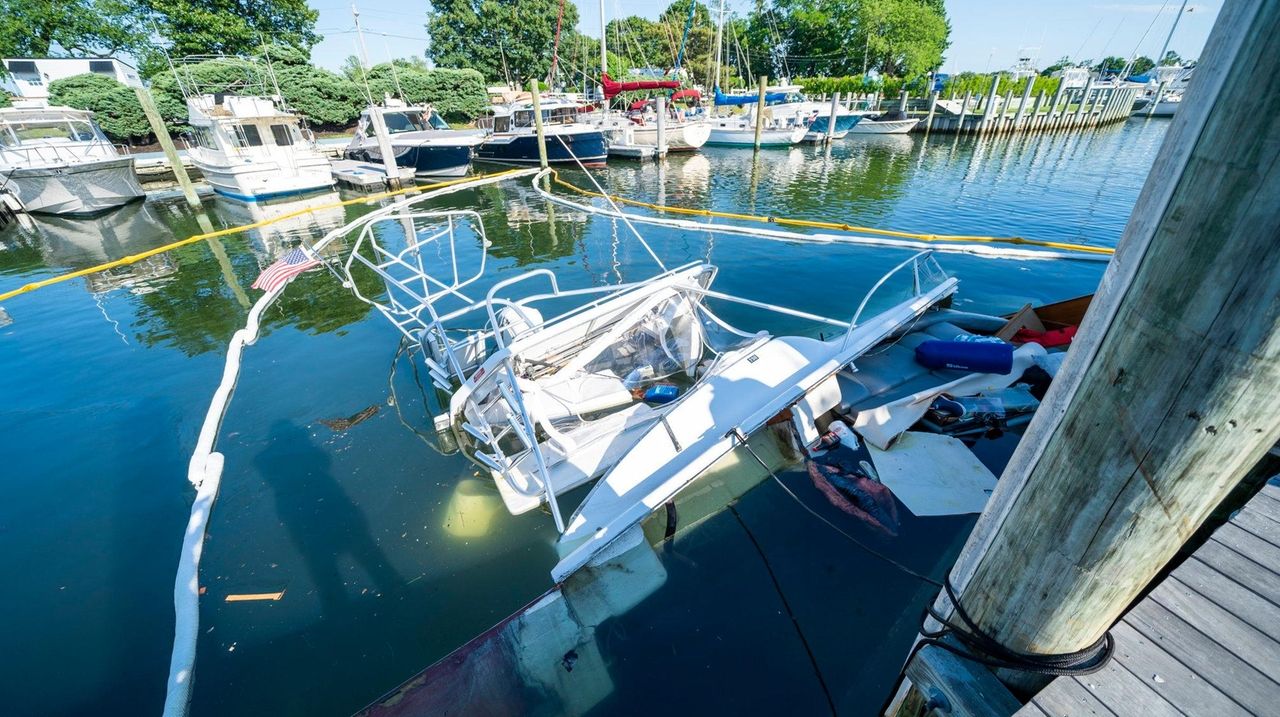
980, 84
114, 105
5, 100
321, 96
458, 95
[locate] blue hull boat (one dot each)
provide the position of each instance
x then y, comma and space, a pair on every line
564, 146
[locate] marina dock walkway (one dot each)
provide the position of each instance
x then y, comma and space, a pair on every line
1206, 641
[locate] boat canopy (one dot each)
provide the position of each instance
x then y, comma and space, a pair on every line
723, 99
613, 88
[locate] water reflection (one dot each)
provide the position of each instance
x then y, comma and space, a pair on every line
322, 521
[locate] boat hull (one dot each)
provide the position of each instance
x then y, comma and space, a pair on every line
735, 137
818, 128
425, 160
259, 181
82, 189
680, 138
570, 148
886, 127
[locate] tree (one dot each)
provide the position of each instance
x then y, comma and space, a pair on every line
1111, 64
502, 39
1141, 65
1065, 61
42, 28
1171, 58
224, 27
458, 95
904, 38
114, 105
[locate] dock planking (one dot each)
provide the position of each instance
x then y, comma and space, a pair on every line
1204, 641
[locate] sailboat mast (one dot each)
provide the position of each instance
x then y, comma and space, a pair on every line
1165, 50
604, 52
715, 78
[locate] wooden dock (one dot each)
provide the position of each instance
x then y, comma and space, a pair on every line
1205, 641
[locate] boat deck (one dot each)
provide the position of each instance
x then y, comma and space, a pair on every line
1206, 641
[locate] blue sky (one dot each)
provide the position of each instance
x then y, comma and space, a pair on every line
986, 35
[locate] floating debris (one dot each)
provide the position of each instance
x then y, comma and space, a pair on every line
337, 425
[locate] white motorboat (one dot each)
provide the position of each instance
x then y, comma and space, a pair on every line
740, 131
642, 129
640, 385
886, 123
249, 148
55, 160
420, 139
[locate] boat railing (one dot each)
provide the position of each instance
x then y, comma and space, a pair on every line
924, 267
69, 152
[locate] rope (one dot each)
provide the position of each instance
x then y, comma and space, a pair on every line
975, 643
838, 226
135, 258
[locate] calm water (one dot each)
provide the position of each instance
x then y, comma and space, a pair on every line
105, 382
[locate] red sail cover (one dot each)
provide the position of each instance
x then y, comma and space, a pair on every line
613, 88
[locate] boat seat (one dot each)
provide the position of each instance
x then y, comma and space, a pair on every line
561, 396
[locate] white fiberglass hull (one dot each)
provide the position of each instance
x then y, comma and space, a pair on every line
867, 126
268, 179
757, 383
735, 136
83, 188
680, 138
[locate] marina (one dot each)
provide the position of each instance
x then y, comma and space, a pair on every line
507, 382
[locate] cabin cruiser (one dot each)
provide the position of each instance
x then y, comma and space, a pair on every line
56, 160
894, 122
249, 148
513, 136
420, 139
814, 115
1170, 83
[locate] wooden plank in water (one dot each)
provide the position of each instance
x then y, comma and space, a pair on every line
1216, 622
1177, 683
1066, 697
1214, 663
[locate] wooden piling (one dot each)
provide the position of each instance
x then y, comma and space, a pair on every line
902, 101
661, 150
1036, 119
964, 111
991, 104
1151, 108
933, 106
831, 119
166, 143
760, 110
1077, 118
1167, 395
1022, 106
537, 123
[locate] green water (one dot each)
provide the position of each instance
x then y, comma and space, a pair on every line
105, 382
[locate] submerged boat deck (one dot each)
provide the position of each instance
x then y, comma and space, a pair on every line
1205, 641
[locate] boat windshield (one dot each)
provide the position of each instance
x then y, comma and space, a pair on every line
49, 131
401, 122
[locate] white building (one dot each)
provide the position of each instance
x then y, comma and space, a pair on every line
29, 77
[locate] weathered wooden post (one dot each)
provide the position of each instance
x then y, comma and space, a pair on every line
1002, 122
661, 150
1168, 393
1022, 106
831, 120
1151, 108
991, 104
964, 110
1053, 105
933, 106
166, 143
760, 110
902, 101
537, 123
1036, 119
1077, 118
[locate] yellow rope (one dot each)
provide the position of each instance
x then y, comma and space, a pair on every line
134, 258
783, 221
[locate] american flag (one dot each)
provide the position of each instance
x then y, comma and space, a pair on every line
285, 268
